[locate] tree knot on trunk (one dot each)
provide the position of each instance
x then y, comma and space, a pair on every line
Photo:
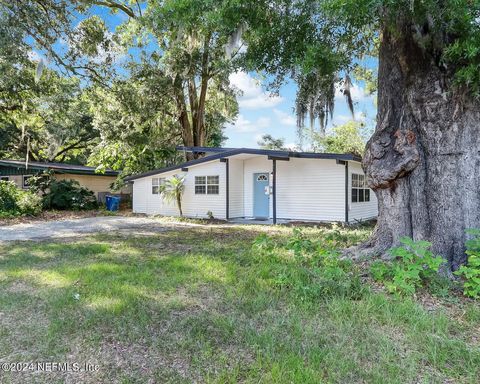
384, 166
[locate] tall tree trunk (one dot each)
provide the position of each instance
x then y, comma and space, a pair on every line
423, 161
179, 203
183, 119
200, 128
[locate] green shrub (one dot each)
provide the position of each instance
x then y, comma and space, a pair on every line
381, 271
471, 271
413, 266
68, 194
29, 203
15, 202
8, 197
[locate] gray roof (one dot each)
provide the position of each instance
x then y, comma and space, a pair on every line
220, 153
60, 167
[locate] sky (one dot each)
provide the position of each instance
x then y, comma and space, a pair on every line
261, 113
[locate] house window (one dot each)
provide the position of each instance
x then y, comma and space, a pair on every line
360, 190
25, 179
4, 178
262, 178
157, 182
209, 185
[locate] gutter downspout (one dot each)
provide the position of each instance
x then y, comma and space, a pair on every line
274, 191
227, 188
346, 192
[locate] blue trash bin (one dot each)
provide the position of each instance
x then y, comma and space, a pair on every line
115, 203
108, 202
112, 203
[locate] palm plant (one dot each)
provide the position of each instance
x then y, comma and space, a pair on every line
173, 190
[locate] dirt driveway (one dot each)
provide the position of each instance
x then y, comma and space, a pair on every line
80, 227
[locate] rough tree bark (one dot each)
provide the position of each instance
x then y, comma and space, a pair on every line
423, 161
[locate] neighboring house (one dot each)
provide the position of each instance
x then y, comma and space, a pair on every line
99, 183
262, 184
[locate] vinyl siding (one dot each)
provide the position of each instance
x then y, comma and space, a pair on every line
307, 189
140, 195
360, 211
236, 190
311, 189
192, 205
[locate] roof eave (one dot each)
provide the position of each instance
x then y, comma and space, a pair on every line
186, 164
58, 169
233, 152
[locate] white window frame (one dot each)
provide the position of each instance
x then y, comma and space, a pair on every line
157, 182
24, 186
359, 184
210, 185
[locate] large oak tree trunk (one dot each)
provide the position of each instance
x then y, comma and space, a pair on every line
423, 161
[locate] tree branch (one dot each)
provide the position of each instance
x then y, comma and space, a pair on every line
114, 5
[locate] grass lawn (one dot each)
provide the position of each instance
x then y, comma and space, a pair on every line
199, 304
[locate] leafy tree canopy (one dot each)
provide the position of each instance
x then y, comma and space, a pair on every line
163, 71
346, 138
269, 142
42, 113
320, 43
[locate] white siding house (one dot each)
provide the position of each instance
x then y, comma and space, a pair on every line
261, 184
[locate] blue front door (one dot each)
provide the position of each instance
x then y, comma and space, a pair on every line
260, 195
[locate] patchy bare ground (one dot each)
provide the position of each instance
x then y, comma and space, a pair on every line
75, 227
53, 215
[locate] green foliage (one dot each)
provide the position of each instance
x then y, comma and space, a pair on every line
327, 39
175, 88
471, 271
68, 194
413, 266
30, 203
8, 196
347, 138
15, 202
381, 271
300, 244
42, 113
269, 142
369, 76
263, 243
175, 91
316, 272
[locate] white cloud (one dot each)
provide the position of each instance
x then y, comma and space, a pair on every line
253, 96
243, 125
357, 92
34, 56
284, 118
342, 119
